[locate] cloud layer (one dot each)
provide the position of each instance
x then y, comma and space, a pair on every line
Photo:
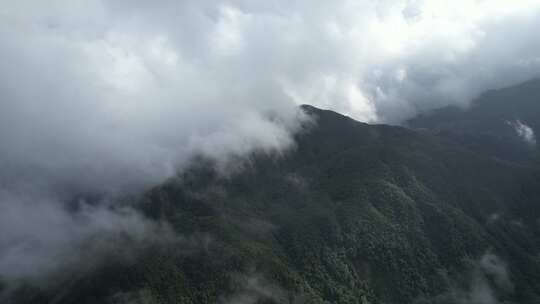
126, 91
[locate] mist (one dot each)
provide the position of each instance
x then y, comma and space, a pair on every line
44, 238
525, 132
486, 281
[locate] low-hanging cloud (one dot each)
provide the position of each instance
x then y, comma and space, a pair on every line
525, 132
42, 237
104, 96
254, 288
486, 282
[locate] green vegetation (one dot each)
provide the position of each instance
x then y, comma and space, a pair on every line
355, 213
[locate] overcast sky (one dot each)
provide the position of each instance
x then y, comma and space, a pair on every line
103, 95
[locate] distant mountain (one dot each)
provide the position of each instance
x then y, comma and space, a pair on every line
446, 211
489, 125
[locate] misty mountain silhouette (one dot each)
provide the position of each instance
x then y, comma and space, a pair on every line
446, 210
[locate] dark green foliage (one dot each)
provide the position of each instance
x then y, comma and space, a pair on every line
355, 213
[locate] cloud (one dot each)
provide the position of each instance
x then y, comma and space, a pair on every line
121, 93
486, 282
493, 266
110, 98
42, 237
143, 296
107, 101
388, 60
253, 288
523, 131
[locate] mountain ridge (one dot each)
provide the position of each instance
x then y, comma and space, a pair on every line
354, 213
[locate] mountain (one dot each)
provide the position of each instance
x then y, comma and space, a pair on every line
489, 124
446, 210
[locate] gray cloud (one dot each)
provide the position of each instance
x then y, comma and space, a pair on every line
43, 238
104, 96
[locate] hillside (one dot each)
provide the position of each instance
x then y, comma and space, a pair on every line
488, 125
446, 211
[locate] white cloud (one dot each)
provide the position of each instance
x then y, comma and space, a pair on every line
524, 131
